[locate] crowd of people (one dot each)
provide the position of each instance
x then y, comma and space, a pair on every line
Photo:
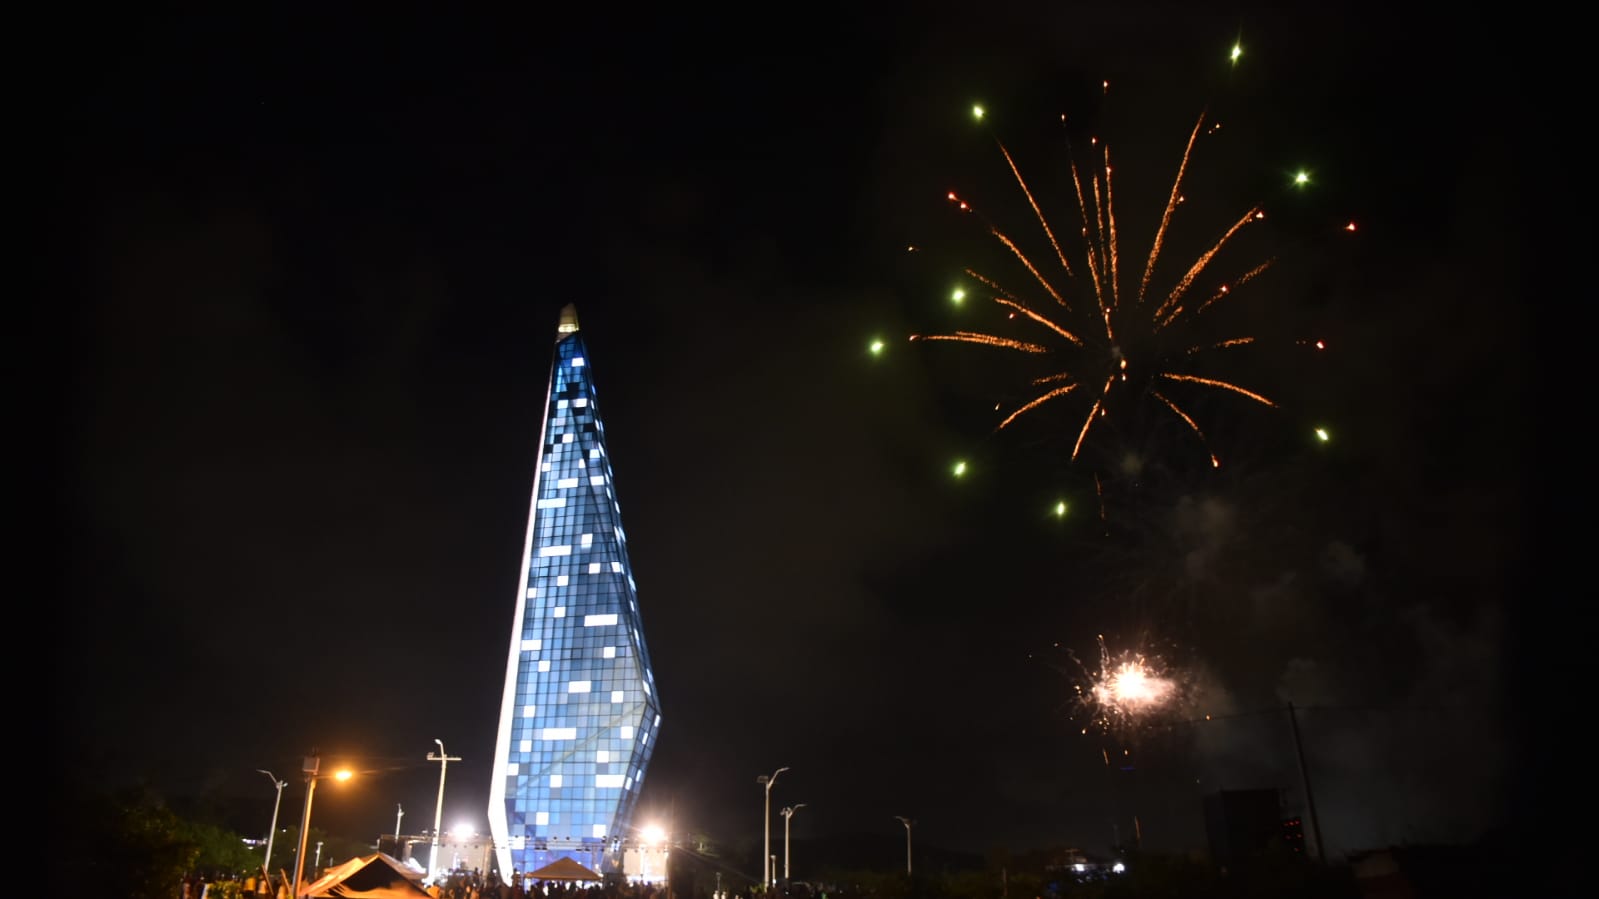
457, 885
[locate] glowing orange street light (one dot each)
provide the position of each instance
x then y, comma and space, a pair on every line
311, 767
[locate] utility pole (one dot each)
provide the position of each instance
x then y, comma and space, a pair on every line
1304, 777
788, 815
438, 810
907, 822
280, 784
766, 823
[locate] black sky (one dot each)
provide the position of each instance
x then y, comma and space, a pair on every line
315, 265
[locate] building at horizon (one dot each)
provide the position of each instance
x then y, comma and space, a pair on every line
580, 712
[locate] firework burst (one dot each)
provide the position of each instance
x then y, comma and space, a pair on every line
1114, 336
1126, 690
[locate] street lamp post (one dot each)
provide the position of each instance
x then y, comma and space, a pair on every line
317, 865
311, 767
788, 815
766, 822
907, 822
438, 810
399, 812
266, 864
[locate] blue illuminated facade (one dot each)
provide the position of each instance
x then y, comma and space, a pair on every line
580, 713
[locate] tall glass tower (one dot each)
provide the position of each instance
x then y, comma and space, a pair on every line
580, 713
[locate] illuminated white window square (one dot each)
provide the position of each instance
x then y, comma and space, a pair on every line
594, 568
532, 592
608, 652
525, 746
555, 780
602, 756
586, 540
599, 620
616, 567
560, 733
578, 686
565, 483
561, 580
511, 768
566, 438
580, 402
529, 711
532, 645
558, 502
558, 612
616, 696
597, 480
544, 467
565, 550
625, 731
544, 666
577, 361
599, 831
608, 781
560, 404
541, 817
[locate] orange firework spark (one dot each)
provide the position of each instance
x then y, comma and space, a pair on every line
1099, 347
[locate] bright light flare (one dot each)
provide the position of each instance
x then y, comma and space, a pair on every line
1301, 178
1060, 509
957, 296
1238, 50
977, 113
1127, 689
343, 774
1323, 435
1133, 686
959, 469
876, 347
653, 833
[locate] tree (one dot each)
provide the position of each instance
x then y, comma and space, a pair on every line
133, 845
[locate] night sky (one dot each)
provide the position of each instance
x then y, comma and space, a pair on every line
315, 266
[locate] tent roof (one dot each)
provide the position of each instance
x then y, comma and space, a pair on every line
375, 876
564, 869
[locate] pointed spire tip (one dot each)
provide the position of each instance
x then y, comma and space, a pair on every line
568, 319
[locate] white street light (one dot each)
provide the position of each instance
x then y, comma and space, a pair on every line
788, 815
766, 848
907, 822
266, 864
438, 810
399, 812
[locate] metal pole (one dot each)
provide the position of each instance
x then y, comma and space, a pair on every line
310, 766
788, 814
907, 822
317, 865
266, 864
438, 810
1304, 777
766, 824
399, 812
